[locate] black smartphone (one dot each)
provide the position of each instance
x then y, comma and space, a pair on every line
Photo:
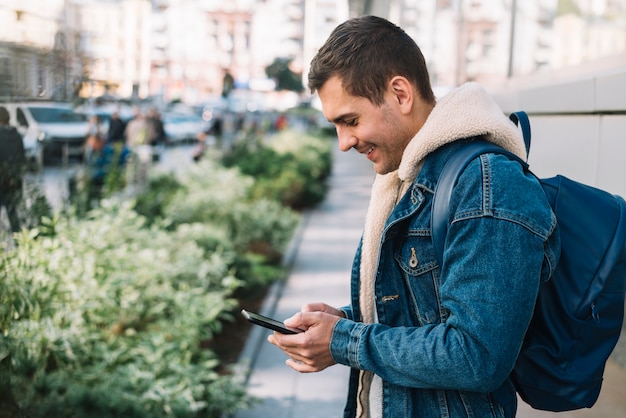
268, 323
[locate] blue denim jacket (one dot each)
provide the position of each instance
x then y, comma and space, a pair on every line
448, 336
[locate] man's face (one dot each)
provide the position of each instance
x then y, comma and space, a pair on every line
375, 131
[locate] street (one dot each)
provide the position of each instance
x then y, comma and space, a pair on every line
53, 179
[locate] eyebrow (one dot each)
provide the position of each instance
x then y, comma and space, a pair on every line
343, 118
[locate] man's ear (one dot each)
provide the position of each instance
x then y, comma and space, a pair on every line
403, 93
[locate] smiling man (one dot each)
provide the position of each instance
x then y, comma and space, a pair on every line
423, 339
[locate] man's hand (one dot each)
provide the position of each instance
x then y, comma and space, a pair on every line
309, 351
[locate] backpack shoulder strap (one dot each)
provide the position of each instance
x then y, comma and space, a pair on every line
440, 215
521, 119
456, 164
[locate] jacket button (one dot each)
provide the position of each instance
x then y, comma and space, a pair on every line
413, 262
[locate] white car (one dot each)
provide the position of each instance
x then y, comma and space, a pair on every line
181, 127
49, 128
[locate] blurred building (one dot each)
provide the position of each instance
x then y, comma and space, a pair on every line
116, 46
58, 49
196, 46
464, 40
185, 49
586, 31
491, 40
39, 50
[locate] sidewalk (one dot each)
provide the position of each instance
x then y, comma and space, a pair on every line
321, 260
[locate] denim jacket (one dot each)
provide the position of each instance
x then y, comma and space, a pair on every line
448, 335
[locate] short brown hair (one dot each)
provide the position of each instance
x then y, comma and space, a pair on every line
365, 53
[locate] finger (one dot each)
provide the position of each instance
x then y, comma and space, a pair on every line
314, 307
300, 367
284, 342
322, 307
305, 320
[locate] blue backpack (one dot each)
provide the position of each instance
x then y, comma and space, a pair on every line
579, 312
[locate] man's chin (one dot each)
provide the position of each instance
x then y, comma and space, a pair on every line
382, 170
384, 166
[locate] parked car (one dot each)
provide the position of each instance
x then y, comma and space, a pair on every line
49, 129
181, 127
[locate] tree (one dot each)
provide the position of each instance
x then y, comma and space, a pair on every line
285, 79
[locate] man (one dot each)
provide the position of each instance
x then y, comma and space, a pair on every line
138, 130
117, 126
12, 166
157, 127
423, 339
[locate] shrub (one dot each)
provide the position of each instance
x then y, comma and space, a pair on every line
30, 209
291, 168
220, 197
107, 318
159, 191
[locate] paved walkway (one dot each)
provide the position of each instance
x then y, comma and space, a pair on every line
321, 259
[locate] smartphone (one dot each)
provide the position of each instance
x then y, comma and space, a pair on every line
268, 323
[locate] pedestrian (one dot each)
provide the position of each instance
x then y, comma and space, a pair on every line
139, 130
94, 138
139, 134
158, 136
117, 126
423, 339
12, 167
157, 129
206, 138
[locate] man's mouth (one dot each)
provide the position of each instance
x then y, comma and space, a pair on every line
370, 150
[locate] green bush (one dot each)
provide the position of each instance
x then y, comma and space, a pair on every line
291, 168
221, 197
159, 191
30, 209
108, 317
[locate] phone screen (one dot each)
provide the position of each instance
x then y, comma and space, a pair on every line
268, 323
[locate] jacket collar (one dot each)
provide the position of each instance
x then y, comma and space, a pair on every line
465, 112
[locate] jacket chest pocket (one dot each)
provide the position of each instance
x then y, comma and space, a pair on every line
420, 273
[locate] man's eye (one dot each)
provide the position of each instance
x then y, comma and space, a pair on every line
351, 122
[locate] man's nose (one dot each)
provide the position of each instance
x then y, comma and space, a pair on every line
346, 140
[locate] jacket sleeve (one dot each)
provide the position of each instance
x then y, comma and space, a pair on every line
347, 311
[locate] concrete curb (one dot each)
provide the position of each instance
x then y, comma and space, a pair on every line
256, 337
